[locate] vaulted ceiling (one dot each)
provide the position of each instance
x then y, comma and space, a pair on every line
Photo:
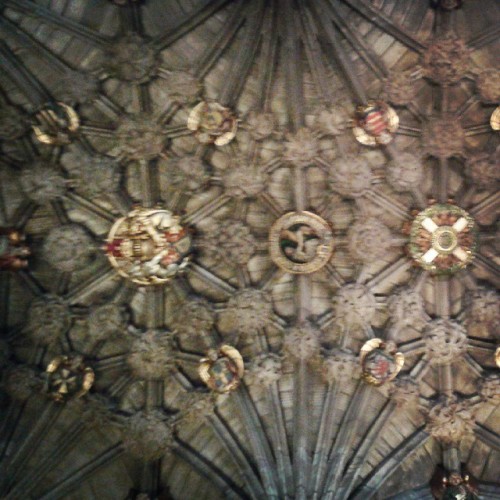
289, 76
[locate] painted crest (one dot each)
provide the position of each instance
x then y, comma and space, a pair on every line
222, 369
212, 123
380, 362
13, 250
57, 123
495, 119
148, 246
68, 378
301, 242
443, 238
375, 123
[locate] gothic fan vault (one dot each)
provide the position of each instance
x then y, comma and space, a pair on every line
249, 249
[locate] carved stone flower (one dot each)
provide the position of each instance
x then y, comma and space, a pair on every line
355, 305
340, 365
181, 86
450, 419
482, 310
147, 435
42, 182
264, 370
444, 137
260, 125
13, 123
332, 121
92, 175
447, 60
187, 173
484, 169
400, 88
49, 318
250, 309
193, 318
446, 341
405, 172
303, 342
231, 242
140, 137
152, 355
302, 147
488, 84
369, 240
351, 176
68, 248
21, 382
406, 308
107, 321
242, 182
131, 59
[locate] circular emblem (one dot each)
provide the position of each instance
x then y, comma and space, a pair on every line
443, 238
212, 123
222, 369
68, 377
301, 242
148, 246
380, 362
56, 124
495, 119
375, 123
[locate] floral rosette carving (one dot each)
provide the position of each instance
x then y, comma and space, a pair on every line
302, 343
193, 318
340, 365
152, 355
301, 147
131, 59
482, 310
406, 308
445, 340
148, 435
351, 176
450, 419
369, 240
49, 318
68, 248
213, 123
149, 246
405, 172
264, 370
447, 60
354, 305
42, 182
249, 310
400, 88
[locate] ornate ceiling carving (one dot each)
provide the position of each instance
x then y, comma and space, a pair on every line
297, 161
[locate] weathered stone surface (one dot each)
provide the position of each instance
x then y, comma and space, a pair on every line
369, 240
340, 365
250, 309
302, 147
446, 341
405, 172
264, 370
351, 176
354, 305
303, 342
42, 182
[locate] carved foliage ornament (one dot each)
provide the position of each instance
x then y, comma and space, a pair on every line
212, 123
14, 252
57, 124
351, 176
375, 123
301, 242
369, 240
148, 246
354, 305
380, 362
443, 238
222, 369
68, 377
249, 309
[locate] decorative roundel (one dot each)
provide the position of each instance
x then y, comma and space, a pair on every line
212, 123
495, 119
443, 238
68, 378
148, 246
380, 363
56, 124
301, 242
375, 123
222, 369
